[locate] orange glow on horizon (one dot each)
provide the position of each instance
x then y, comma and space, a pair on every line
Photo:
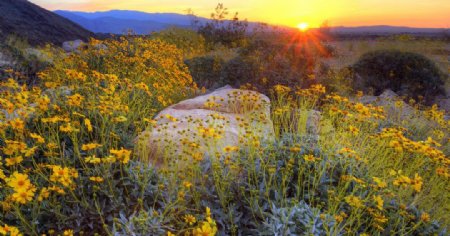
413, 13
303, 26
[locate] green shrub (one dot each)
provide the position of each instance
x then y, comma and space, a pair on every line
240, 70
406, 73
206, 70
336, 80
261, 63
271, 63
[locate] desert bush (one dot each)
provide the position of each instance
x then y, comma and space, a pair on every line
261, 63
220, 30
336, 80
408, 74
265, 64
240, 70
206, 70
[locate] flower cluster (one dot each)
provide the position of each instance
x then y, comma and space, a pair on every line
427, 148
24, 190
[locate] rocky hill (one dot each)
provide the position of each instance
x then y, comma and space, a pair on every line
37, 25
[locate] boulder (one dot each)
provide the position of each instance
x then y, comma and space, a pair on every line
208, 126
306, 121
5, 61
313, 122
444, 104
72, 46
392, 103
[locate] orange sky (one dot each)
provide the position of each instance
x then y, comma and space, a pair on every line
415, 13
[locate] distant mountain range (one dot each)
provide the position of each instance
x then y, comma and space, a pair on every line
120, 21
39, 26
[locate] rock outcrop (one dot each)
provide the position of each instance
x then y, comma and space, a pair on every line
208, 125
5, 61
392, 103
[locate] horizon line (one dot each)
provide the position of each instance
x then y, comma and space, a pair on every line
348, 26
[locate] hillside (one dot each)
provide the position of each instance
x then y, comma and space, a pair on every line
120, 21
37, 25
167, 18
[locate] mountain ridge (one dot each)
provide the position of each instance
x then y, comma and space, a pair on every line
120, 21
37, 25
158, 20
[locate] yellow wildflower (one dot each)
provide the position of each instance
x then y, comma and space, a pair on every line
44, 194
354, 201
230, 149
67, 128
17, 124
309, 158
96, 179
380, 183
122, 155
18, 181
2, 174
295, 149
119, 119
37, 137
190, 219
63, 175
209, 132
11, 230
379, 202
88, 124
208, 212
43, 103
68, 232
205, 230
13, 160
23, 196
353, 129
93, 160
425, 217
90, 146
75, 100
187, 184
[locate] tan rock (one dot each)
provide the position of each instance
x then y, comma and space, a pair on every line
392, 104
206, 125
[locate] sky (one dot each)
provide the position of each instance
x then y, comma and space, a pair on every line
413, 13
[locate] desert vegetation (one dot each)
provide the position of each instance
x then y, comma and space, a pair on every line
343, 158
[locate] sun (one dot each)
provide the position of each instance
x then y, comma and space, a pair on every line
303, 26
